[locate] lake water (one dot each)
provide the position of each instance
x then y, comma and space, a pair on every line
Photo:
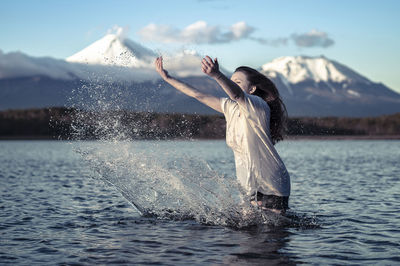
74, 203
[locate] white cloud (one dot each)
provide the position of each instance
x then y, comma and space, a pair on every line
241, 30
197, 33
202, 33
159, 33
271, 42
313, 38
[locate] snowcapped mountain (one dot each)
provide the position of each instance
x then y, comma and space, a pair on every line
113, 49
114, 65
318, 83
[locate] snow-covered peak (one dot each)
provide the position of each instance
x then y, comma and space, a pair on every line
296, 69
113, 49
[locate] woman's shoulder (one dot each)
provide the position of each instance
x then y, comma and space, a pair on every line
256, 102
228, 106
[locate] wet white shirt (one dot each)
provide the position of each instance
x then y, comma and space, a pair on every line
259, 167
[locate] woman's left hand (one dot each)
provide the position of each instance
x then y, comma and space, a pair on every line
160, 69
210, 67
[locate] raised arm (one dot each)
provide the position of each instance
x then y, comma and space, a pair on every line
209, 100
233, 90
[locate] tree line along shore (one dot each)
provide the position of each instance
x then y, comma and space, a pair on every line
69, 123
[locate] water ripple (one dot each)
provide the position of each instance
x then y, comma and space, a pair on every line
52, 210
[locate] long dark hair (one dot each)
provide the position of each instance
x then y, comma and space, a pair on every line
267, 90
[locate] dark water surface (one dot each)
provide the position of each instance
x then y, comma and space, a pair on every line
52, 210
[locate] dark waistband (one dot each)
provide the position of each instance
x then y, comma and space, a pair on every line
271, 201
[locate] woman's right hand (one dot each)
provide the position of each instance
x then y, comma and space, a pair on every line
160, 69
210, 67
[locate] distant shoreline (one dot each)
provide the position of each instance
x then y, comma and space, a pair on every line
67, 123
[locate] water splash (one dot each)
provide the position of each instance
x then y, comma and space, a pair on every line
165, 186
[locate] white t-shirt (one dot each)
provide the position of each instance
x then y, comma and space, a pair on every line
259, 167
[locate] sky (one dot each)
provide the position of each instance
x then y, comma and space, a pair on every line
362, 34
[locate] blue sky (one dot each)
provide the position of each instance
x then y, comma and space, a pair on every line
364, 35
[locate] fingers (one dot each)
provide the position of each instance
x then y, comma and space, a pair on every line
206, 63
209, 59
159, 63
209, 66
159, 59
159, 67
204, 66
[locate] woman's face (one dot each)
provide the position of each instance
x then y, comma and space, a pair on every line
240, 79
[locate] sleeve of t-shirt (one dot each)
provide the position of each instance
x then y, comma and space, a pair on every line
254, 108
227, 106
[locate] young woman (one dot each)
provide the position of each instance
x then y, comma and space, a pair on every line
255, 117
